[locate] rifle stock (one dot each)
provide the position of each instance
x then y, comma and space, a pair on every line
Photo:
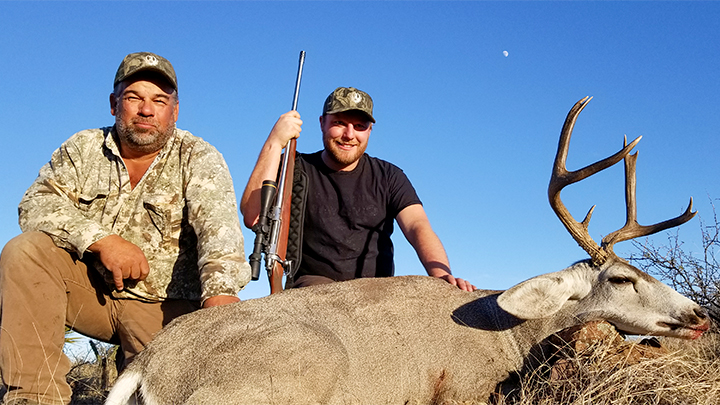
276, 275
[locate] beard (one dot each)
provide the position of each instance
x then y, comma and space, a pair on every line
144, 140
343, 157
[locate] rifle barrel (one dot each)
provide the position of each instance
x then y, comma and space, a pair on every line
286, 156
301, 62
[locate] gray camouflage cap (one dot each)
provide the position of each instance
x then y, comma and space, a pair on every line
145, 61
346, 99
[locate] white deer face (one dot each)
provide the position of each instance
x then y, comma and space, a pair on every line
617, 292
637, 303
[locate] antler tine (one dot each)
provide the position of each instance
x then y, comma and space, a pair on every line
632, 229
561, 177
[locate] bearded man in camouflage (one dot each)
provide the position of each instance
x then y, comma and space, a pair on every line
126, 228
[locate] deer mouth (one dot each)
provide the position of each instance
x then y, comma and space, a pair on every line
686, 331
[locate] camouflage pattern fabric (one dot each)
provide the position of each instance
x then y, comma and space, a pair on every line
182, 214
346, 99
145, 61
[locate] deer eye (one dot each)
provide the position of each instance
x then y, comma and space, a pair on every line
619, 280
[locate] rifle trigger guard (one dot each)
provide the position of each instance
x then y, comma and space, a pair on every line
274, 258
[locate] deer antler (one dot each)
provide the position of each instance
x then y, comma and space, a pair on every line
561, 177
632, 229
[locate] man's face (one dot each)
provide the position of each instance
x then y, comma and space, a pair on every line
345, 137
145, 113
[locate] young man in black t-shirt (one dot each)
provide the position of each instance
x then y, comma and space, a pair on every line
352, 199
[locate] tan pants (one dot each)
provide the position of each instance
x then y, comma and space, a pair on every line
44, 288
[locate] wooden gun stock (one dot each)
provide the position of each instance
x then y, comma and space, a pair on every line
276, 274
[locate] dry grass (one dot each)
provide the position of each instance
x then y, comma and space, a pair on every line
91, 375
688, 375
91, 380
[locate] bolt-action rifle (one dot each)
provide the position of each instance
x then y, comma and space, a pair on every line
271, 230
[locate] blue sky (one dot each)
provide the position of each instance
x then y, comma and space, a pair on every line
474, 128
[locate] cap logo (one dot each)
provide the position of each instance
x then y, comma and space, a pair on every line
355, 97
151, 60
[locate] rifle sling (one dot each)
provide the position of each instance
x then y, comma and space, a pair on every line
297, 219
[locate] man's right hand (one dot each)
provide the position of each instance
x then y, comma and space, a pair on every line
124, 259
287, 127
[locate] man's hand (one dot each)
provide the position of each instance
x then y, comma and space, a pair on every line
287, 127
124, 259
220, 300
457, 282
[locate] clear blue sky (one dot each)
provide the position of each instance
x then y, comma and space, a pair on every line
474, 128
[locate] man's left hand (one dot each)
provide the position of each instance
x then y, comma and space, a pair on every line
220, 300
458, 282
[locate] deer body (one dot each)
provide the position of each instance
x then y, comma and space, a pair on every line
408, 340
400, 340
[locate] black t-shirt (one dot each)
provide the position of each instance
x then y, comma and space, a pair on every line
349, 217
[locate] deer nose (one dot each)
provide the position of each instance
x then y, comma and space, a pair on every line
698, 316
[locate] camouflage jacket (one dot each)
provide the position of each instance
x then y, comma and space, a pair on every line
182, 213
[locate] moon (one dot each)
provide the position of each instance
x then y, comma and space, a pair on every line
505, 54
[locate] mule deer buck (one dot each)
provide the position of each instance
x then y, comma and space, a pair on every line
411, 339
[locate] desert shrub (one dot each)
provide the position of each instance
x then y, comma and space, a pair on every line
693, 274
92, 376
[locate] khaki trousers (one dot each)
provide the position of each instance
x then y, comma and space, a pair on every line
44, 288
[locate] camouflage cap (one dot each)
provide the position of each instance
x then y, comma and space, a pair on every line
346, 99
145, 61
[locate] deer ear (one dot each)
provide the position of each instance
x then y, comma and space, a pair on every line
542, 296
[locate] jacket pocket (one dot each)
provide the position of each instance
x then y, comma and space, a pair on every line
166, 214
92, 204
